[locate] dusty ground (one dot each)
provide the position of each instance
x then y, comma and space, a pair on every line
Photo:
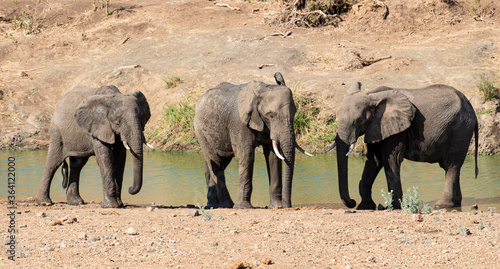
63, 236
204, 43
144, 42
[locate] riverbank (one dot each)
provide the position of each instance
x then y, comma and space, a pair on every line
160, 48
314, 237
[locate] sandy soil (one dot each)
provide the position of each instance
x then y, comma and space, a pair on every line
88, 236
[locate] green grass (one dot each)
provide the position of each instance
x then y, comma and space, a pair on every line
488, 88
314, 130
175, 130
172, 82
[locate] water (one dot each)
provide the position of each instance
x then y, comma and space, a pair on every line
178, 179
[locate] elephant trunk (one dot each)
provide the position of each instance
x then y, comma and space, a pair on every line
342, 166
137, 162
288, 148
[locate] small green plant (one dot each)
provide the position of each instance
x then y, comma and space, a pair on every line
410, 203
488, 88
487, 111
480, 224
388, 199
463, 230
206, 215
427, 209
403, 238
172, 82
26, 22
84, 36
477, 9
221, 217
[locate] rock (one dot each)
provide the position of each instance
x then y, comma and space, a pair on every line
131, 231
240, 265
82, 235
267, 261
474, 207
42, 215
418, 217
349, 211
56, 222
492, 209
69, 220
194, 212
150, 208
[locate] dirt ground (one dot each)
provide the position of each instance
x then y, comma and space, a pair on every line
88, 236
142, 43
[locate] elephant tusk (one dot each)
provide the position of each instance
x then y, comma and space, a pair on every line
331, 147
276, 151
302, 150
125, 144
149, 145
350, 150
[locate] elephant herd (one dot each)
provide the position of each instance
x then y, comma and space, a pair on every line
431, 124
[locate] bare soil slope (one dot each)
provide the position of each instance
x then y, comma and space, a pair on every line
58, 44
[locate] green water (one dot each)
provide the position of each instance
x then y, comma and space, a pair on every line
178, 179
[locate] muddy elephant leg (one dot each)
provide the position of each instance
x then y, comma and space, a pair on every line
73, 192
274, 171
370, 172
54, 160
393, 152
245, 168
120, 156
217, 194
452, 194
105, 159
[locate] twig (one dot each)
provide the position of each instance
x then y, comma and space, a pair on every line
283, 35
366, 62
228, 6
265, 65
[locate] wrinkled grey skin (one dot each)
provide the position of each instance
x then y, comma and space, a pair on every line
431, 124
96, 122
231, 121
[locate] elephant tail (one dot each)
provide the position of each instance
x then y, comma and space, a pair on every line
476, 131
64, 172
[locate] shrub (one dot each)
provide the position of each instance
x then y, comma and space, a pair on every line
388, 199
412, 205
487, 88
172, 82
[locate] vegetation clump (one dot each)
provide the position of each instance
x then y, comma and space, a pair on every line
412, 205
488, 88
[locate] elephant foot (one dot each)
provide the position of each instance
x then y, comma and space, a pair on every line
445, 203
111, 203
367, 205
274, 203
43, 200
243, 205
74, 200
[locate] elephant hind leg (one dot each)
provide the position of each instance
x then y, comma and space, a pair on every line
218, 194
452, 194
73, 192
54, 160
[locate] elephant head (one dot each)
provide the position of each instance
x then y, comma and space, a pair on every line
378, 115
270, 108
106, 117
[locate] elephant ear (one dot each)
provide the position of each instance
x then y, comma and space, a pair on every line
392, 114
247, 105
144, 111
93, 115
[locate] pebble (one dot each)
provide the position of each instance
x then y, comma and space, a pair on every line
267, 261
418, 217
150, 208
492, 209
82, 235
56, 222
42, 215
131, 231
194, 212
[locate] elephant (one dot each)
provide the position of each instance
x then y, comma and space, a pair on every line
430, 124
231, 121
96, 121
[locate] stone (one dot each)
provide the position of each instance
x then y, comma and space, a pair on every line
267, 261
194, 212
82, 235
131, 231
56, 222
492, 209
418, 217
42, 215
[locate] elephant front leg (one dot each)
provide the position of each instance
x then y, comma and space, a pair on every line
73, 192
245, 167
370, 172
120, 156
274, 171
105, 160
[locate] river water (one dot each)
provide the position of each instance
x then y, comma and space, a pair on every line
178, 179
